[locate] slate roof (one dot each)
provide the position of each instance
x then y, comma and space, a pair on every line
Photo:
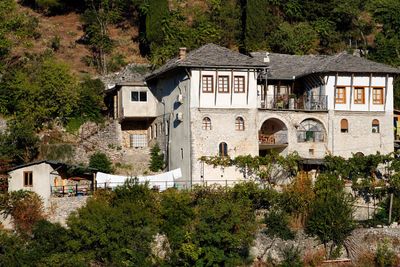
209, 55
132, 74
289, 67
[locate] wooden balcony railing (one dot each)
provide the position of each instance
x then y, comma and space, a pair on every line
309, 103
273, 139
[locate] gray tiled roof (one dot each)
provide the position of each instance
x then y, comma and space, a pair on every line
288, 67
210, 55
131, 74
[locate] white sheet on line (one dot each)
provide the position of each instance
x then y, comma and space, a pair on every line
161, 181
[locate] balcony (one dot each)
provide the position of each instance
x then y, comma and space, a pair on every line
276, 140
302, 103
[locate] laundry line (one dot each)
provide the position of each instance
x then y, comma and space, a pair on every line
161, 181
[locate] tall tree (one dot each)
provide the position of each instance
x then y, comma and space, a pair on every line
98, 16
331, 216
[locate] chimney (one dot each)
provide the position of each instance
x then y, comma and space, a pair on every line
266, 58
182, 53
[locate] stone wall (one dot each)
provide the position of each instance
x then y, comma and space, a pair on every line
360, 137
61, 207
206, 142
361, 242
97, 137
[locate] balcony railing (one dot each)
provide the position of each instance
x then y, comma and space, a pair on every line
310, 136
273, 139
309, 103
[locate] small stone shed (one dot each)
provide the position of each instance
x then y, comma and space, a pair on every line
47, 178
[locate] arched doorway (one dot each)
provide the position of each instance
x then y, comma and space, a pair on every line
273, 135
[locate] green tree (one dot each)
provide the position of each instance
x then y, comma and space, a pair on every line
298, 39
331, 215
91, 100
98, 16
101, 162
157, 159
256, 20
19, 142
41, 90
117, 232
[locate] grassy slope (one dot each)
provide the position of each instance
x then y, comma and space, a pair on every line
69, 29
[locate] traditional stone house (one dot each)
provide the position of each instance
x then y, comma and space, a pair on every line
215, 101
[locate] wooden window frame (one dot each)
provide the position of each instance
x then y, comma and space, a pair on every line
380, 101
375, 125
204, 84
28, 178
223, 149
206, 124
221, 86
340, 100
356, 99
236, 84
239, 124
344, 128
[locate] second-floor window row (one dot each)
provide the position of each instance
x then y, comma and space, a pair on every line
359, 95
223, 83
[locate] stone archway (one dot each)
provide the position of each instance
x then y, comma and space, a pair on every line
273, 135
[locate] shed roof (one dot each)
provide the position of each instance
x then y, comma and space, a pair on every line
74, 169
210, 55
290, 67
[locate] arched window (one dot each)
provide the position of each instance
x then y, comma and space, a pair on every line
223, 149
375, 126
344, 126
239, 124
310, 130
206, 123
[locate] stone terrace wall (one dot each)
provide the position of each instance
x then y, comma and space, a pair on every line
61, 207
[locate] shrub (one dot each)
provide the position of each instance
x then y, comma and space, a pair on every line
12, 250
24, 207
261, 198
157, 159
277, 222
291, 257
385, 256
101, 162
297, 198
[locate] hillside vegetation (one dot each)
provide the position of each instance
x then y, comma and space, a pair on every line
51, 50
104, 35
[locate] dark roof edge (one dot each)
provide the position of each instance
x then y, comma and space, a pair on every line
50, 162
153, 76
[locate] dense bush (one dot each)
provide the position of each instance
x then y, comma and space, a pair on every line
385, 256
25, 208
277, 222
100, 162
262, 198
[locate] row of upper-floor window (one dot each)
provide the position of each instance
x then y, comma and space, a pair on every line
344, 126
359, 95
239, 124
224, 84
